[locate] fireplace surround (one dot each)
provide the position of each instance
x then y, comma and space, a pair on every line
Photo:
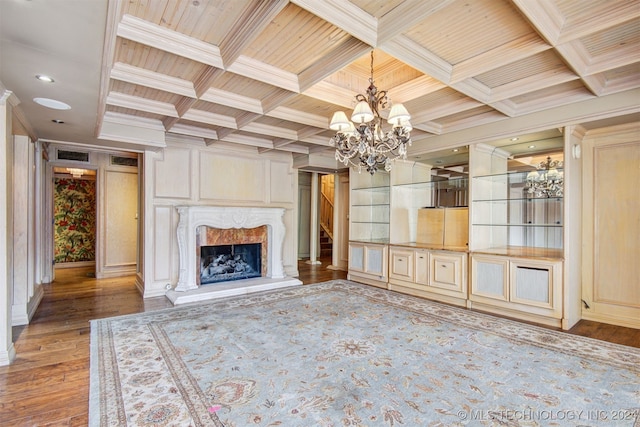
187, 288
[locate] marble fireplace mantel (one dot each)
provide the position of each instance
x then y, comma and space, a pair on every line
192, 217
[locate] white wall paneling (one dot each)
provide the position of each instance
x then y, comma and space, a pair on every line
172, 172
282, 182
25, 295
7, 350
231, 178
191, 174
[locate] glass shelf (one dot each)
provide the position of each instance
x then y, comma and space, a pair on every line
499, 177
523, 199
383, 189
506, 215
515, 224
446, 184
370, 222
370, 207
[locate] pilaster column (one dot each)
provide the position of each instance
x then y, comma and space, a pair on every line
7, 350
314, 227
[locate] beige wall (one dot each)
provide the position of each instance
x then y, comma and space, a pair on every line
189, 173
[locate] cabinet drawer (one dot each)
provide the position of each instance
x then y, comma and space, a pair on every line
447, 271
401, 264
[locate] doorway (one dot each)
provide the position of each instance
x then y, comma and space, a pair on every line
92, 208
74, 217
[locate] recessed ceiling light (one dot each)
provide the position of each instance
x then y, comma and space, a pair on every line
44, 78
455, 150
52, 103
58, 121
532, 146
515, 138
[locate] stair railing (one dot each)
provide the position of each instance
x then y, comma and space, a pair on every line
326, 213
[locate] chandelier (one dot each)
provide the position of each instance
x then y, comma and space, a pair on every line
362, 142
546, 181
75, 172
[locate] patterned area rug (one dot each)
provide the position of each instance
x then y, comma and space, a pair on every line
343, 354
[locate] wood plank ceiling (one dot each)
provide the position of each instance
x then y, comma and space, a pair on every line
269, 74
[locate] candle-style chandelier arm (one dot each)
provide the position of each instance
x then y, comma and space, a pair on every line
362, 141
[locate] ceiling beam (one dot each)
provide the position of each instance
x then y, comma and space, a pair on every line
147, 33
346, 16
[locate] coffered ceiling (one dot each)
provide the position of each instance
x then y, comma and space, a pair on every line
269, 74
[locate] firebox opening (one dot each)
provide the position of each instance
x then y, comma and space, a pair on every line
222, 263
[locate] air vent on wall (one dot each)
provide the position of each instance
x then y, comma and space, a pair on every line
76, 156
124, 161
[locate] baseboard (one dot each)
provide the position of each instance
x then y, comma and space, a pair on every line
119, 271
602, 318
35, 301
75, 264
22, 314
8, 356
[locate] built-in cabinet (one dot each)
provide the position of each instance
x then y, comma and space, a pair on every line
429, 273
486, 234
517, 229
369, 227
368, 263
527, 288
507, 214
370, 203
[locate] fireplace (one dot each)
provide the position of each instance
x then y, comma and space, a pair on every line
223, 263
205, 226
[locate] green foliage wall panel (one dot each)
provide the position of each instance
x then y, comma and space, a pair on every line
74, 220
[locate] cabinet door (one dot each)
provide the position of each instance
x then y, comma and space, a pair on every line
356, 257
375, 260
421, 273
401, 264
447, 271
536, 284
489, 277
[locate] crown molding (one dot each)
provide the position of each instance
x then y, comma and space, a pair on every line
161, 38
275, 131
142, 77
123, 100
258, 70
196, 131
293, 115
233, 100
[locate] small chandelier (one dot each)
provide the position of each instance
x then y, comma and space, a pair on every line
75, 172
546, 181
366, 144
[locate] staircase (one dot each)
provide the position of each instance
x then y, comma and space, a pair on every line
326, 215
326, 244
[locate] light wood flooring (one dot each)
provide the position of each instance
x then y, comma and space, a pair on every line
48, 384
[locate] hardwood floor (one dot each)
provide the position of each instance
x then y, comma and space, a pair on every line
48, 384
